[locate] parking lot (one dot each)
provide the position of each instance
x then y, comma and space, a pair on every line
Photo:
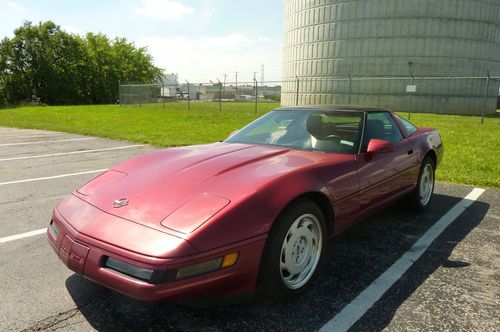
454, 285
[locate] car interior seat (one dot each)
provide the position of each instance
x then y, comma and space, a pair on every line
375, 129
319, 130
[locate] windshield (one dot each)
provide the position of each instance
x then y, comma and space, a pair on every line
324, 131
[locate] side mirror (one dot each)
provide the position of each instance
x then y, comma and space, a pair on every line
379, 145
233, 132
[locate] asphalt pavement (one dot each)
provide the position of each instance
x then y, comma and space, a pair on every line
453, 286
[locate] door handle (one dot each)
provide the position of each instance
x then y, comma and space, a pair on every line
410, 151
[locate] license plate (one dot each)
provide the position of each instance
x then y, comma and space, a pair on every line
73, 254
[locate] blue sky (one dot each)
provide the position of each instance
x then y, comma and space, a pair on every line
200, 40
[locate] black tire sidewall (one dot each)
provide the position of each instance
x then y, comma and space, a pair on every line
270, 282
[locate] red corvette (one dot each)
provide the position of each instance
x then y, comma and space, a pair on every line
252, 212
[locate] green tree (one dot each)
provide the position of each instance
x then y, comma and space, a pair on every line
62, 68
110, 61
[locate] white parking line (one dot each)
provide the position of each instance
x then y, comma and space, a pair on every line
351, 313
22, 235
31, 135
52, 177
52, 141
72, 152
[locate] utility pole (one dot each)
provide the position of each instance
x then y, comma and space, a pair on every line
255, 87
256, 93
236, 85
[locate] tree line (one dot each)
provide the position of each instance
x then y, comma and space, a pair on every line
59, 68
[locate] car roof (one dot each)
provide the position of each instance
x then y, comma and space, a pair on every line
348, 108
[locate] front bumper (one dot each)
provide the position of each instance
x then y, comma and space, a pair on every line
87, 256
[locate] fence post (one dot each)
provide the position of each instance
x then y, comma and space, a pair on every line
297, 92
411, 95
350, 84
256, 94
486, 88
141, 95
189, 96
120, 93
220, 95
162, 94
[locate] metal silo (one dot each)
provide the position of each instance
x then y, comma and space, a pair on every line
366, 52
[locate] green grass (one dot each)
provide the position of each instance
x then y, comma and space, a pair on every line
173, 126
471, 150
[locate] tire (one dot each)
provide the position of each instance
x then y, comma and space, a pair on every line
421, 197
292, 252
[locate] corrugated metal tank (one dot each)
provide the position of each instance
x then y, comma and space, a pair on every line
330, 39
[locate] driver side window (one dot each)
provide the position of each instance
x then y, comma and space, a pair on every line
381, 125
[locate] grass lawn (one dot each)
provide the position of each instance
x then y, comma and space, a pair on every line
173, 126
471, 150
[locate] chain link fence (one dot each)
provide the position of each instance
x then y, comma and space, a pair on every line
138, 94
447, 95
147, 94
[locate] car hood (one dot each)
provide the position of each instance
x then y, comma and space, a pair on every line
181, 188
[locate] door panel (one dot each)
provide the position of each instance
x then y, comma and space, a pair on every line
384, 175
343, 189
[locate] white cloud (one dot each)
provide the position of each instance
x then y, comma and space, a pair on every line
16, 7
209, 58
164, 9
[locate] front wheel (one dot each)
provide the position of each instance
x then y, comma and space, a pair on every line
421, 196
293, 251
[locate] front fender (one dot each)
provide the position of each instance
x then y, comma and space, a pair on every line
254, 213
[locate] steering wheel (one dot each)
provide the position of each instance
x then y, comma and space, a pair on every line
329, 137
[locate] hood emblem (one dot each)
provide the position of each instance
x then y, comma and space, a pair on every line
120, 203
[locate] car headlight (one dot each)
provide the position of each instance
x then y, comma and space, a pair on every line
100, 182
194, 213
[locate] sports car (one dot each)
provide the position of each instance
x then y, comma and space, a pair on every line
249, 214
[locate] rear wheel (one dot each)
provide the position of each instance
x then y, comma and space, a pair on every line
421, 196
293, 251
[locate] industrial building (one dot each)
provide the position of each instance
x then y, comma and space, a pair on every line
423, 56
229, 92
